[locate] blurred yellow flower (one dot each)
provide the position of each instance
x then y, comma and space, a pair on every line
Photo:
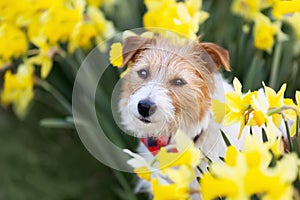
141, 167
167, 191
212, 188
276, 146
246, 8
143, 172
219, 110
103, 27
282, 8
12, 41
18, 89
95, 3
294, 21
248, 173
264, 33
44, 57
82, 36
181, 17
12, 12
59, 22
297, 96
178, 189
187, 153
98, 3
115, 54
266, 3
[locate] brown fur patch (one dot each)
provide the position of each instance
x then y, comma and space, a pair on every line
167, 61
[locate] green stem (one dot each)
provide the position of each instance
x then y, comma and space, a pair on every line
250, 76
59, 97
278, 110
275, 65
288, 135
124, 185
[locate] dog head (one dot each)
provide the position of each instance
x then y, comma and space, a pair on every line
169, 86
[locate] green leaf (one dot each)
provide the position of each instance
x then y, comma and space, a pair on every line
56, 123
264, 135
221, 158
273, 161
200, 170
226, 140
288, 135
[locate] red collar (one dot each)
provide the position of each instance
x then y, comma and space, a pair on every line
154, 144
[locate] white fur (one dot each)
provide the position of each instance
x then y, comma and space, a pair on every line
164, 112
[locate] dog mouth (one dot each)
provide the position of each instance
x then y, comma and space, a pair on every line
155, 143
145, 120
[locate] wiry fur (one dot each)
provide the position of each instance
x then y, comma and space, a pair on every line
185, 107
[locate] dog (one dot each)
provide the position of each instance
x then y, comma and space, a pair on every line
170, 86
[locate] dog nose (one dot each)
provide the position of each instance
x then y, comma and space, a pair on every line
146, 107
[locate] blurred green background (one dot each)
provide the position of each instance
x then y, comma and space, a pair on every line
39, 162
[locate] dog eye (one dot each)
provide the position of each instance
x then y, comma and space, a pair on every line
178, 82
143, 73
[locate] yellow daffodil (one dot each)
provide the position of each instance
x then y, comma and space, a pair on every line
59, 22
248, 173
291, 114
82, 36
167, 191
266, 3
212, 188
44, 57
115, 54
141, 166
264, 33
236, 107
246, 8
187, 153
294, 21
181, 17
219, 110
95, 3
297, 97
103, 27
18, 89
179, 188
12, 41
99, 3
282, 8
260, 106
263, 104
23, 12
275, 100
276, 146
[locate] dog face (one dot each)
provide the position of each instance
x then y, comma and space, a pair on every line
169, 86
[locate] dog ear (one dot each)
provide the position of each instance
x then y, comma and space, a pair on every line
219, 55
131, 46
